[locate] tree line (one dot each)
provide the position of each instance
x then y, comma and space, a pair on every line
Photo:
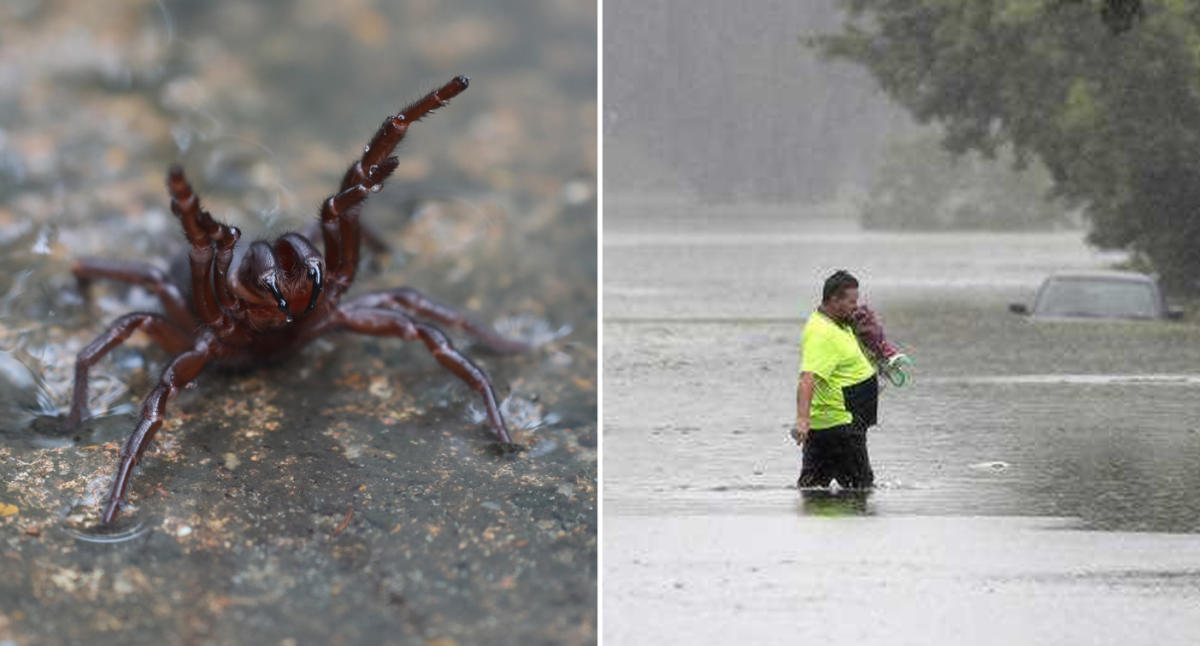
1105, 93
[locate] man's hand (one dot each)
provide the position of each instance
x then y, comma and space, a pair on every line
800, 432
804, 395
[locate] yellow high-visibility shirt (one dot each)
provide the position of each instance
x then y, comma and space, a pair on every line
832, 353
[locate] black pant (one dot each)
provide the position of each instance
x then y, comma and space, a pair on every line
838, 453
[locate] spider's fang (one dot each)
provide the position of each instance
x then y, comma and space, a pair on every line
314, 274
269, 282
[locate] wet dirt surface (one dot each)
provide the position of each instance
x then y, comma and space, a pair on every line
349, 495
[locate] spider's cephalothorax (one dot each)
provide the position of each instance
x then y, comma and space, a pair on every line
280, 296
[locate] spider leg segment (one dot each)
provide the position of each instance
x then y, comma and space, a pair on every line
413, 301
380, 322
161, 331
210, 240
340, 228
394, 128
225, 238
181, 371
138, 273
371, 237
339, 213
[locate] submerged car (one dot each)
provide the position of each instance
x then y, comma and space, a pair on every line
1099, 295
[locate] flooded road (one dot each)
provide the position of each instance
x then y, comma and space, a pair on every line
351, 494
1029, 466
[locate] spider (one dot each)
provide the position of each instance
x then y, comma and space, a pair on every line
281, 296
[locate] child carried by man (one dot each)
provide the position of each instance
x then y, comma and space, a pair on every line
888, 359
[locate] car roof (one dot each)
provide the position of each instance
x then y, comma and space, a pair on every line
1103, 274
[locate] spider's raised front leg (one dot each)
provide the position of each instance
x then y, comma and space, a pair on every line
339, 213
137, 273
420, 305
379, 322
161, 331
212, 251
370, 236
181, 371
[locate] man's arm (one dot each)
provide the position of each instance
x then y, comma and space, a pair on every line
804, 393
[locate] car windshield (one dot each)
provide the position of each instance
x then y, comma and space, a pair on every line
1097, 297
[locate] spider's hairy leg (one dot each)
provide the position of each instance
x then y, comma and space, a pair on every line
225, 238
208, 240
339, 220
341, 228
371, 237
160, 330
379, 322
416, 303
142, 274
181, 371
394, 129
339, 213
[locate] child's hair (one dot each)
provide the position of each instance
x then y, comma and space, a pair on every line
870, 333
891, 363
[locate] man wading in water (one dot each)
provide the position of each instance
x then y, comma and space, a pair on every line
838, 393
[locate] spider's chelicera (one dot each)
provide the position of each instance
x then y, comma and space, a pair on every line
281, 296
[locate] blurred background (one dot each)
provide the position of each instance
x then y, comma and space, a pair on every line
230, 534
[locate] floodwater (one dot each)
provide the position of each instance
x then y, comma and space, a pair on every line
350, 494
1036, 481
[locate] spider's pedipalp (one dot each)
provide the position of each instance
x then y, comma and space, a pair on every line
225, 240
201, 230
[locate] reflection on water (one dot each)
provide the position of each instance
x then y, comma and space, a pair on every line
835, 503
125, 531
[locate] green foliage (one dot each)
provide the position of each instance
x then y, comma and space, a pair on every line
920, 186
1111, 108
